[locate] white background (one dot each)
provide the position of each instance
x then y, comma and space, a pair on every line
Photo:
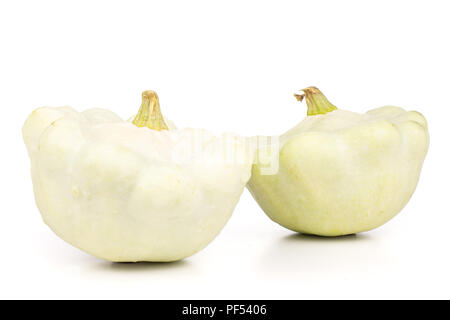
229, 66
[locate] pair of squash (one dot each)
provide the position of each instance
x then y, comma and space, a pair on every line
145, 191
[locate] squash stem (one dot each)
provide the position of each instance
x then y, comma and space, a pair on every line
149, 114
316, 101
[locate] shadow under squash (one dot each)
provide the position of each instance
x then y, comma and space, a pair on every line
142, 266
303, 237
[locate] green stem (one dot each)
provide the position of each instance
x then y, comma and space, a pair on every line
149, 114
316, 101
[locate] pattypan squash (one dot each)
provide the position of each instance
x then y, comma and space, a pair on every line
133, 191
342, 172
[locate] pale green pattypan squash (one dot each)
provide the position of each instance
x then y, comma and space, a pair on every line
342, 172
135, 191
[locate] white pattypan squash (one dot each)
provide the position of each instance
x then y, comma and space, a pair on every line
136, 191
342, 172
